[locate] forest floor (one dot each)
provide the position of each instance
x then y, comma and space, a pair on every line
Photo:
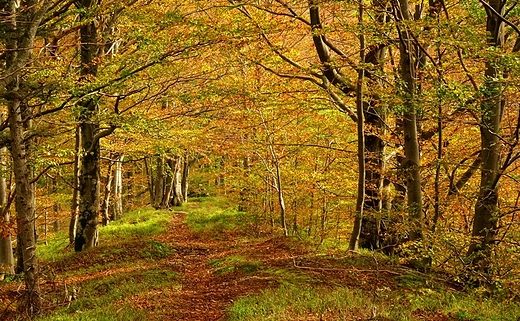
215, 270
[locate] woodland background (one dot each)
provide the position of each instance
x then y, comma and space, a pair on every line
398, 120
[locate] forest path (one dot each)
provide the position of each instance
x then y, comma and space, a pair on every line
183, 274
205, 293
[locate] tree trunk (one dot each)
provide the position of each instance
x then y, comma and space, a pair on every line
6, 247
89, 180
159, 184
19, 40
177, 194
105, 207
184, 180
150, 181
25, 210
370, 234
486, 209
360, 201
75, 185
118, 189
407, 63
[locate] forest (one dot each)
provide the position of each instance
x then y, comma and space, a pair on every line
319, 151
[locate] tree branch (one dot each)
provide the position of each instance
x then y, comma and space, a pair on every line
100, 135
499, 16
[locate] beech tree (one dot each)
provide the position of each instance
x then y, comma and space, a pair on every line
89, 177
21, 22
493, 105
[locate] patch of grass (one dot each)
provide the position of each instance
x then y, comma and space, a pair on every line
291, 302
11, 278
139, 223
212, 215
156, 250
411, 281
107, 312
103, 299
290, 276
303, 302
123, 245
55, 249
234, 263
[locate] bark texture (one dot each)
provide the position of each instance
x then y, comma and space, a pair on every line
370, 234
74, 208
89, 179
117, 212
6, 248
21, 23
407, 63
484, 229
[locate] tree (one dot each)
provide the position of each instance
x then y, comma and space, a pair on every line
21, 23
6, 248
89, 177
408, 62
485, 222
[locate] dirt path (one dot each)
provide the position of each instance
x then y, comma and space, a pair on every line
204, 294
201, 293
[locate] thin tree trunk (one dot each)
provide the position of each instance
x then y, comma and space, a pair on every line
118, 189
184, 179
105, 207
75, 185
437, 202
169, 183
279, 188
6, 247
150, 181
281, 201
356, 231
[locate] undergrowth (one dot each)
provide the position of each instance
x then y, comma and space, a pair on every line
125, 272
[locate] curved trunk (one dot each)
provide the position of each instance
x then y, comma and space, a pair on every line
374, 163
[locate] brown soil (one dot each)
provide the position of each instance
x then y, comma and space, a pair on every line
204, 294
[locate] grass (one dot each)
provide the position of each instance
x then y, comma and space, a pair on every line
234, 263
302, 302
118, 270
213, 215
122, 272
140, 223
136, 224
104, 298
